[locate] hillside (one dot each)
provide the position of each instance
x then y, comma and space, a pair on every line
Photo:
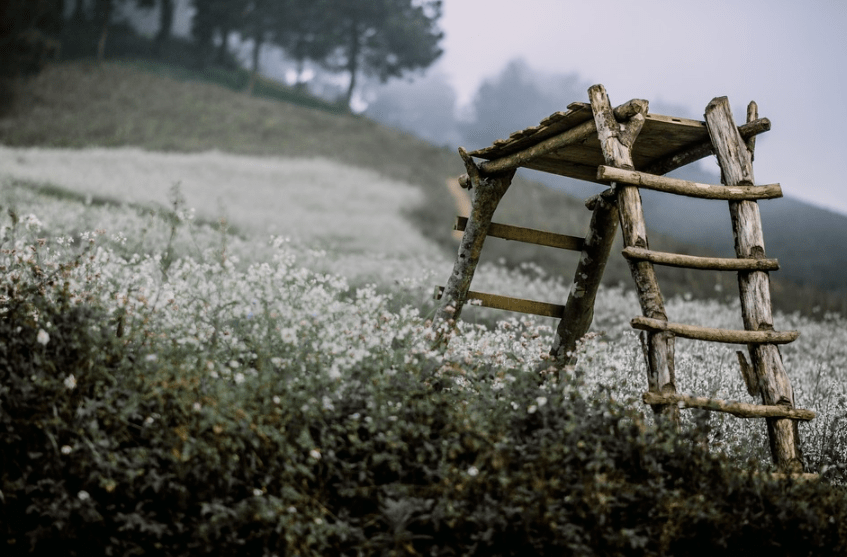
77, 105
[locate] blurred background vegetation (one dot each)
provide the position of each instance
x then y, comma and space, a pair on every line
315, 78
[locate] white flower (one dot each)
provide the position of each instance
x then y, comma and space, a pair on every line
473, 471
66, 449
315, 453
258, 493
292, 510
239, 378
196, 406
151, 357
83, 495
532, 409
70, 382
542, 400
43, 337
276, 399
288, 335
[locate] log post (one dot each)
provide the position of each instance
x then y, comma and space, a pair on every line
487, 191
735, 159
616, 140
579, 309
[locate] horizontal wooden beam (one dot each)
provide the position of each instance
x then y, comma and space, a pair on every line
702, 150
511, 304
696, 262
740, 409
728, 336
527, 235
684, 187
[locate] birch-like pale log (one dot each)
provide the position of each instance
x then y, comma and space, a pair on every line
616, 141
685, 187
734, 158
710, 334
697, 262
740, 409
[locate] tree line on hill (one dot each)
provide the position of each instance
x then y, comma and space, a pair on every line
375, 38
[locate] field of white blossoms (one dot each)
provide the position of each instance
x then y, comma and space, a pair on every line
313, 304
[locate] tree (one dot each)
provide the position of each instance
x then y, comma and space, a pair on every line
382, 38
211, 17
301, 31
166, 21
29, 31
517, 98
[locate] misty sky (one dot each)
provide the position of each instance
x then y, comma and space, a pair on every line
788, 56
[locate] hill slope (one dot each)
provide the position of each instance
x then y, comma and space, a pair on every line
80, 105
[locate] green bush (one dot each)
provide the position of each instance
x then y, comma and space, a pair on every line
126, 446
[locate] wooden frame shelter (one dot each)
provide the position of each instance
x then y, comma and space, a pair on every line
627, 148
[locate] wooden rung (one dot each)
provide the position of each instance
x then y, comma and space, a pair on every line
728, 336
511, 304
527, 235
740, 409
695, 262
684, 187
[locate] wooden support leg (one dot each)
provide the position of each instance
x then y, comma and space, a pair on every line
616, 140
579, 309
735, 160
487, 191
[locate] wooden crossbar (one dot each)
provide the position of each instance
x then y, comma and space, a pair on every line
686, 188
728, 336
740, 409
511, 304
696, 262
528, 235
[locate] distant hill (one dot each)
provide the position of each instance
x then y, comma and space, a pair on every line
82, 104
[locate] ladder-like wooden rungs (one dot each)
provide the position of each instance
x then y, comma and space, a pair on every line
684, 187
696, 262
740, 409
728, 336
511, 304
527, 235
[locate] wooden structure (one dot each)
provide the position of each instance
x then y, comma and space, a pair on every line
628, 148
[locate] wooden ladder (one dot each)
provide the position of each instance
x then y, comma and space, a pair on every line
765, 376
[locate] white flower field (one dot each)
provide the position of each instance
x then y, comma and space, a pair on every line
324, 272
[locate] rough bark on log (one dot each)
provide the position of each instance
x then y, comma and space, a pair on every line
696, 262
774, 386
487, 193
740, 409
528, 235
616, 141
687, 188
710, 334
579, 309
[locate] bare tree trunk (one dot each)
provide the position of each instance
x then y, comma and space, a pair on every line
257, 49
352, 63
166, 21
106, 15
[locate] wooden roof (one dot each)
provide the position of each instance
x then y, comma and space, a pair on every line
660, 139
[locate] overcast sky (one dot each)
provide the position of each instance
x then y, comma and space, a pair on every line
788, 56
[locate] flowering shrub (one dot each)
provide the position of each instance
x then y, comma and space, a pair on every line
167, 387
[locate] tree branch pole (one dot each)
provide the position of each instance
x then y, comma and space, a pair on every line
735, 160
487, 191
616, 141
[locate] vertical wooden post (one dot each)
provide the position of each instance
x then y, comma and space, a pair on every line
487, 191
616, 140
735, 159
579, 309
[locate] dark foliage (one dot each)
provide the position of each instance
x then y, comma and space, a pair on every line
107, 450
